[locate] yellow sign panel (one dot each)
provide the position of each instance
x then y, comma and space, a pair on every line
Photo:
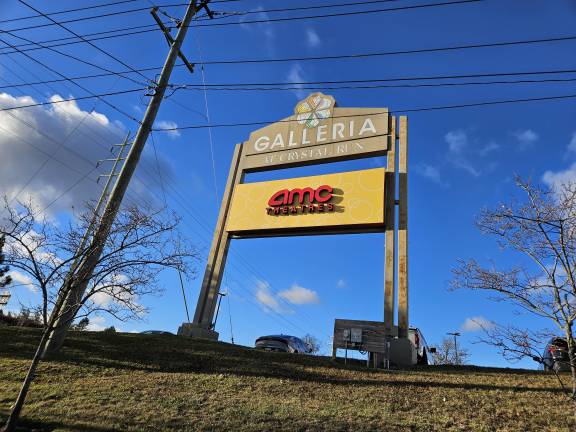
349, 199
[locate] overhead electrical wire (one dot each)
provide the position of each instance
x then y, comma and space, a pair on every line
54, 71
354, 81
106, 53
62, 143
370, 87
59, 101
370, 54
257, 123
70, 56
169, 25
340, 14
102, 5
227, 14
397, 111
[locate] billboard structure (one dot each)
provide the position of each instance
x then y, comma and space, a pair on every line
350, 202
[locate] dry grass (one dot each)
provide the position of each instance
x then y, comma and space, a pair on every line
130, 382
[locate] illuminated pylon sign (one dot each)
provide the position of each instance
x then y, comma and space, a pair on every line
346, 202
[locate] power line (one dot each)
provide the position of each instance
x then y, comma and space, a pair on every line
68, 189
227, 14
59, 101
48, 159
69, 10
201, 88
376, 54
106, 53
370, 87
70, 56
392, 53
54, 71
356, 81
340, 14
153, 28
398, 111
102, 5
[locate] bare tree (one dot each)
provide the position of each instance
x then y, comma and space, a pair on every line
142, 242
4, 280
312, 342
447, 353
82, 324
542, 229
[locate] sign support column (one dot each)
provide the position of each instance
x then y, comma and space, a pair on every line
403, 228
390, 210
202, 323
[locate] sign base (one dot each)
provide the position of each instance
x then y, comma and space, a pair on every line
402, 352
195, 331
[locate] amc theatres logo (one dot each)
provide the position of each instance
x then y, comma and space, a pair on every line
305, 200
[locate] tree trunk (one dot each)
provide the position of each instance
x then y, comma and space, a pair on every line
572, 360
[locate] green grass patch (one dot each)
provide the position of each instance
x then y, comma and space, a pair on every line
132, 382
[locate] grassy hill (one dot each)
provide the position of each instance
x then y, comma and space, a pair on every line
131, 382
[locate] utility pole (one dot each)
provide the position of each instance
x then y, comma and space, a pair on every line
73, 289
86, 267
455, 334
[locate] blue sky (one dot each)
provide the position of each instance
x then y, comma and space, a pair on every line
460, 160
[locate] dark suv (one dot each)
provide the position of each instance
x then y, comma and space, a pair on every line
282, 343
555, 355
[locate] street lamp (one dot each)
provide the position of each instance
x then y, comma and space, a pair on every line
455, 334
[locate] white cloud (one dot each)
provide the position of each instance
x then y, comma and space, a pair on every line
97, 323
101, 298
341, 283
476, 324
300, 295
23, 280
458, 145
262, 28
488, 148
168, 124
46, 150
428, 171
457, 141
296, 76
266, 298
312, 38
555, 179
572, 144
111, 290
526, 138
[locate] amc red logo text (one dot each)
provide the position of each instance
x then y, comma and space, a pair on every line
301, 200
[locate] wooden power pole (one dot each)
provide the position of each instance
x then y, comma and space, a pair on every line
78, 283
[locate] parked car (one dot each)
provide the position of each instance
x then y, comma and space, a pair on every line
156, 332
281, 343
422, 349
555, 355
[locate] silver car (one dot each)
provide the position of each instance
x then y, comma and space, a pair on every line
282, 343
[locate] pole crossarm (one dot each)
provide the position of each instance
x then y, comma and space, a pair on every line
170, 39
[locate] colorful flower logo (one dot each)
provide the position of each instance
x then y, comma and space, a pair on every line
314, 109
